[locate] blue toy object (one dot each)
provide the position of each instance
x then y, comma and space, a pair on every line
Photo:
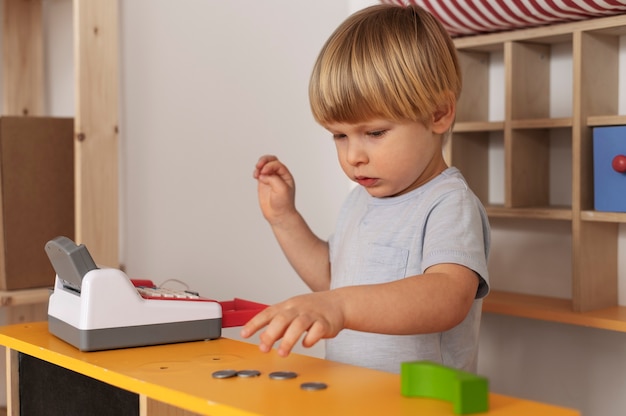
609, 168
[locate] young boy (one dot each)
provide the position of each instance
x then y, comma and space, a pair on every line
402, 277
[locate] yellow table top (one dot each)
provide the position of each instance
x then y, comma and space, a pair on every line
181, 375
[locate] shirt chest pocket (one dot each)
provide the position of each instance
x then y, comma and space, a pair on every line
383, 264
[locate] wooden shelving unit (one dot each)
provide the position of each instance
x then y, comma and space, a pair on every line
525, 134
95, 124
96, 106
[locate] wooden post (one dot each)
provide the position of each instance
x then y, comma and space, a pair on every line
22, 58
151, 407
96, 127
12, 382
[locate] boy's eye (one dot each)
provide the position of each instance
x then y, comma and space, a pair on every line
377, 133
338, 136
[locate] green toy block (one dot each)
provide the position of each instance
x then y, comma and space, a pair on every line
468, 392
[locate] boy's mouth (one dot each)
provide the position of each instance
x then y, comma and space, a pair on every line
365, 181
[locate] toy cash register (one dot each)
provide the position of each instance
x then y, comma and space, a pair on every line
100, 308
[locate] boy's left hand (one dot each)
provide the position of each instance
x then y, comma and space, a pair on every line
317, 315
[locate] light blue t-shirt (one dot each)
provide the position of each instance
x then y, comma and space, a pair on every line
379, 240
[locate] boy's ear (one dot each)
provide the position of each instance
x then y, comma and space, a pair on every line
443, 117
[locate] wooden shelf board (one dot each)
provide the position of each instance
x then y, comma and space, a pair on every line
539, 213
600, 216
478, 126
558, 33
24, 297
542, 123
554, 310
599, 121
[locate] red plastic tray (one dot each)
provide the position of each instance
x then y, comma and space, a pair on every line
237, 312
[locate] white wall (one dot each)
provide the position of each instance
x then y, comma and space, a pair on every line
207, 87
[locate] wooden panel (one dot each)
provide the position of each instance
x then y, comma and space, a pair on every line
24, 297
598, 82
594, 280
615, 25
12, 383
542, 123
477, 126
37, 159
473, 104
554, 310
22, 58
528, 79
536, 213
35, 312
96, 55
595, 93
603, 216
618, 120
151, 407
528, 161
470, 154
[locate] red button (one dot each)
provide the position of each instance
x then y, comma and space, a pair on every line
619, 163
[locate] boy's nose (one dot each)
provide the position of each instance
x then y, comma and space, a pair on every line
356, 154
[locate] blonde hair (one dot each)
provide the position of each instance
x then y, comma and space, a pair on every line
385, 61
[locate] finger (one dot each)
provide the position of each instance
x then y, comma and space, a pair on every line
293, 333
276, 183
316, 332
263, 160
273, 167
275, 330
266, 341
257, 322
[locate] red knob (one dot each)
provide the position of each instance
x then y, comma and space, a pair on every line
619, 163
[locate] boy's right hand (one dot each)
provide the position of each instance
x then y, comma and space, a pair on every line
312, 317
276, 188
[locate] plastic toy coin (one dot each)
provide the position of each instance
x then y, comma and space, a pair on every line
248, 373
283, 375
313, 386
224, 374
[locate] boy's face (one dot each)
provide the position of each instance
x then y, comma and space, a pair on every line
388, 158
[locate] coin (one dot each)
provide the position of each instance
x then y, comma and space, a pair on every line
313, 386
283, 375
224, 374
248, 373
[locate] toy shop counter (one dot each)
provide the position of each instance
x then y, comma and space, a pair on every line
221, 377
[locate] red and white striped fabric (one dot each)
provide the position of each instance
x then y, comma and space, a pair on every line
468, 17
